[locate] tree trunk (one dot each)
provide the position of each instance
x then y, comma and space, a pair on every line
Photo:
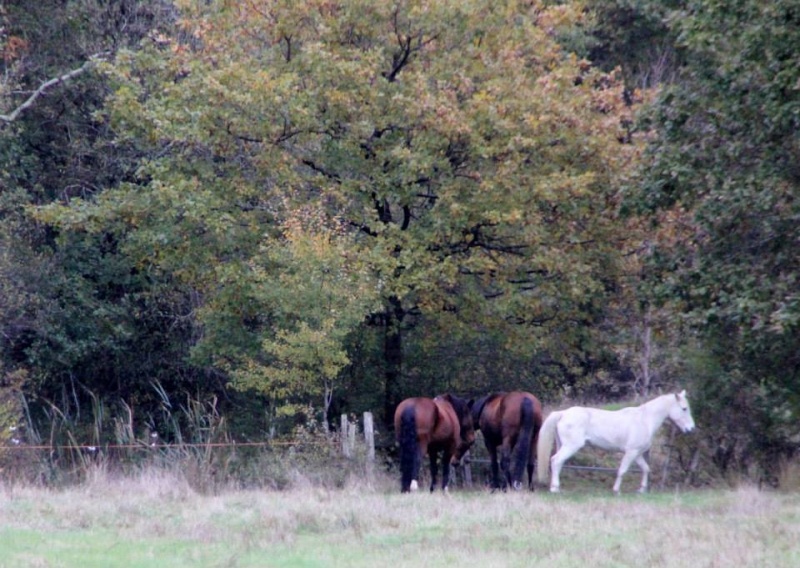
647, 354
393, 357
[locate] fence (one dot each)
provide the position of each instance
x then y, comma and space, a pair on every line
348, 431
351, 446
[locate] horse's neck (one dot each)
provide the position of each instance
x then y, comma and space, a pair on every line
656, 411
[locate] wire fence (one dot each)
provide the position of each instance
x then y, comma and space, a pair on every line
154, 445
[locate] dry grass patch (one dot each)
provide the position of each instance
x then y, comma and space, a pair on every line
157, 519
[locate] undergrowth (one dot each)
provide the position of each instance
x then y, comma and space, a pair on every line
68, 445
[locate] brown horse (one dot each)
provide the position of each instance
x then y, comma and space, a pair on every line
425, 426
510, 422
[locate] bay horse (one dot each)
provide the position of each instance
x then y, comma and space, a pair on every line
629, 430
425, 426
510, 424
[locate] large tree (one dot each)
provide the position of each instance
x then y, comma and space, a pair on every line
465, 161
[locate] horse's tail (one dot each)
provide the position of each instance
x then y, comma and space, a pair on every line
547, 436
408, 447
523, 448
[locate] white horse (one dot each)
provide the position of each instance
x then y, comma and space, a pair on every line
629, 430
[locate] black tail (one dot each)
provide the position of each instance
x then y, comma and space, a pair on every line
523, 447
408, 448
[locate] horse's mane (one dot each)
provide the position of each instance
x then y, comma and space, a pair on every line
458, 404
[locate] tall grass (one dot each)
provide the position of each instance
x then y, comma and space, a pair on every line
67, 444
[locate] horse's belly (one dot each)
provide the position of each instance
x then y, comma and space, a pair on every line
606, 442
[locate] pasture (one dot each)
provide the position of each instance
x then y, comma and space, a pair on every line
156, 519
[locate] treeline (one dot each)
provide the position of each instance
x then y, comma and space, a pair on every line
298, 209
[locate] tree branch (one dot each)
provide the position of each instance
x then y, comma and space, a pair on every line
9, 118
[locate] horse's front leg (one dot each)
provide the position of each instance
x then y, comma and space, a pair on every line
627, 460
642, 463
446, 457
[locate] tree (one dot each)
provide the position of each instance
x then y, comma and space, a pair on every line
321, 292
722, 182
473, 162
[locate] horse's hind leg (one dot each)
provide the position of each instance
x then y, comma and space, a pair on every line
505, 466
531, 468
532, 463
495, 468
422, 450
642, 463
565, 452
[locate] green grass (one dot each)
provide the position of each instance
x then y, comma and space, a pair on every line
159, 521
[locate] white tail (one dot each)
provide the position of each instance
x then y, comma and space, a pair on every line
547, 436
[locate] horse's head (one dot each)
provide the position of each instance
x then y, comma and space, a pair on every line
463, 411
476, 408
681, 414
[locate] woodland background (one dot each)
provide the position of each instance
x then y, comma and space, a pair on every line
249, 217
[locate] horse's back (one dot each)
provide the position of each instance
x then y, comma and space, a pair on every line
447, 427
510, 408
607, 429
424, 411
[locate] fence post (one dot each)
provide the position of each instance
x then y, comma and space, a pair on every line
369, 440
344, 432
665, 473
369, 436
351, 438
467, 470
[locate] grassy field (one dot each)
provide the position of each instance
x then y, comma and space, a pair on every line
157, 520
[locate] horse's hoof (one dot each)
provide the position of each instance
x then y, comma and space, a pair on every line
555, 490
414, 485
517, 486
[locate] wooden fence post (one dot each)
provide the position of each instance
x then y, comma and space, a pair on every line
665, 472
351, 438
369, 440
468, 470
344, 432
369, 436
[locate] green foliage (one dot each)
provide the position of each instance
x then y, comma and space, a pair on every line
723, 184
77, 315
320, 295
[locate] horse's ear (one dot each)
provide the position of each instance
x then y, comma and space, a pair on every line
683, 393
